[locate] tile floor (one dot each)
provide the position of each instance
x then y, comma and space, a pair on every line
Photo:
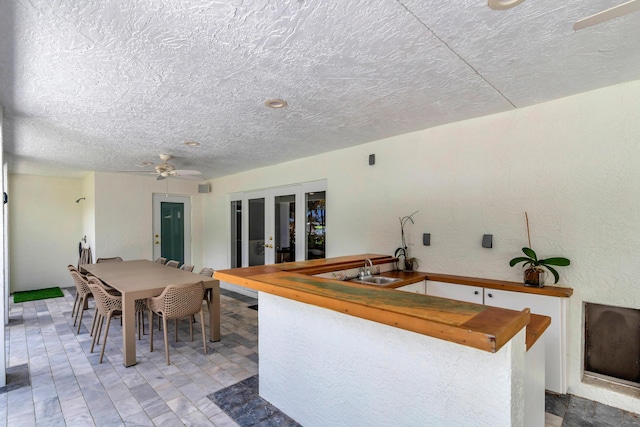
53, 379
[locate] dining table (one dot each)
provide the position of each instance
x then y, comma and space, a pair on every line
140, 279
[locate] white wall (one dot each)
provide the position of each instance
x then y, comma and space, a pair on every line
4, 259
46, 224
124, 213
45, 228
573, 164
340, 370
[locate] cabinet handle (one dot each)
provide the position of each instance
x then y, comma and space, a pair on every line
490, 295
476, 293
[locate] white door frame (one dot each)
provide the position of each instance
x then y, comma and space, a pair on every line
269, 195
186, 201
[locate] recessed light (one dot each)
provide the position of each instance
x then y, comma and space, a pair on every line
276, 103
503, 4
191, 143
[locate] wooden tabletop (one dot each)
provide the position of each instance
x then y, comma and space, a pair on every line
483, 327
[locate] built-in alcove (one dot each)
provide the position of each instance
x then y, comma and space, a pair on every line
612, 344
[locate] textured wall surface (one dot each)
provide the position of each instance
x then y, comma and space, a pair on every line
572, 164
326, 368
45, 229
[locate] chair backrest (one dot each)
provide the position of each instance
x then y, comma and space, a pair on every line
82, 287
161, 260
105, 302
187, 267
207, 272
178, 301
172, 263
112, 259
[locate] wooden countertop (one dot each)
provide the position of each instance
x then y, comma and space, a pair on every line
482, 327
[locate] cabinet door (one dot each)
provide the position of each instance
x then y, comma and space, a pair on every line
454, 291
417, 288
555, 338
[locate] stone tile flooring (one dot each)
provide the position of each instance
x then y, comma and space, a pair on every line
53, 379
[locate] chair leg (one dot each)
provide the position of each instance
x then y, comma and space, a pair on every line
175, 326
84, 300
204, 335
96, 334
150, 330
93, 324
75, 305
166, 338
106, 332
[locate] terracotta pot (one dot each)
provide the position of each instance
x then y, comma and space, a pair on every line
535, 277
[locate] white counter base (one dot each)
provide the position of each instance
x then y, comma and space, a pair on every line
323, 368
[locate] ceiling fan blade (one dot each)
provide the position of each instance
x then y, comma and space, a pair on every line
191, 177
160, 178
187, 172
605, 15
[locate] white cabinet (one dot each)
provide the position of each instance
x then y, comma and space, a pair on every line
454, 291
417, 288
555, 337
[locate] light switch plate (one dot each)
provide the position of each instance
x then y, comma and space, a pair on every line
487, 241
426, 239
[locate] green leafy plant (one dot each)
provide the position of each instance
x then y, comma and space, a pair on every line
532, 260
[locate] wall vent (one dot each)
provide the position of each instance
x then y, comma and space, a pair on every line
612, 344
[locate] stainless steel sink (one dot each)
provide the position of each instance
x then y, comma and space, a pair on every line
375, 280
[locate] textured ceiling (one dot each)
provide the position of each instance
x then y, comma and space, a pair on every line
108, 85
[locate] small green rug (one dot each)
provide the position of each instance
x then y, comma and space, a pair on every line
37, 294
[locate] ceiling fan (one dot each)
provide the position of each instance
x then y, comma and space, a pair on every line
597, 18
166, 170
605, 15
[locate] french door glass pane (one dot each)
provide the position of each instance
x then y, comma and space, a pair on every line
256, 231
316, 224
285, 228
236, 234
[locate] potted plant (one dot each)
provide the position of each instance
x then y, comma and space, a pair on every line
534, 273
409, 262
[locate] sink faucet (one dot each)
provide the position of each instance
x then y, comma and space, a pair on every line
367, 271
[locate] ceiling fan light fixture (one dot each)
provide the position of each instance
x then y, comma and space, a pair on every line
275, 103
503, 4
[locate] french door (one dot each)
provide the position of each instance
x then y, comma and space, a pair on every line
271, 226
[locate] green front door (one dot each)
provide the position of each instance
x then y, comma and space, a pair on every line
172, 230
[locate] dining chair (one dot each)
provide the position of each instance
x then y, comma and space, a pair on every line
161, 260
206, 271
177, 302
173, 263
112, 259
187, 267
71, 268
83, 293
109, 305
